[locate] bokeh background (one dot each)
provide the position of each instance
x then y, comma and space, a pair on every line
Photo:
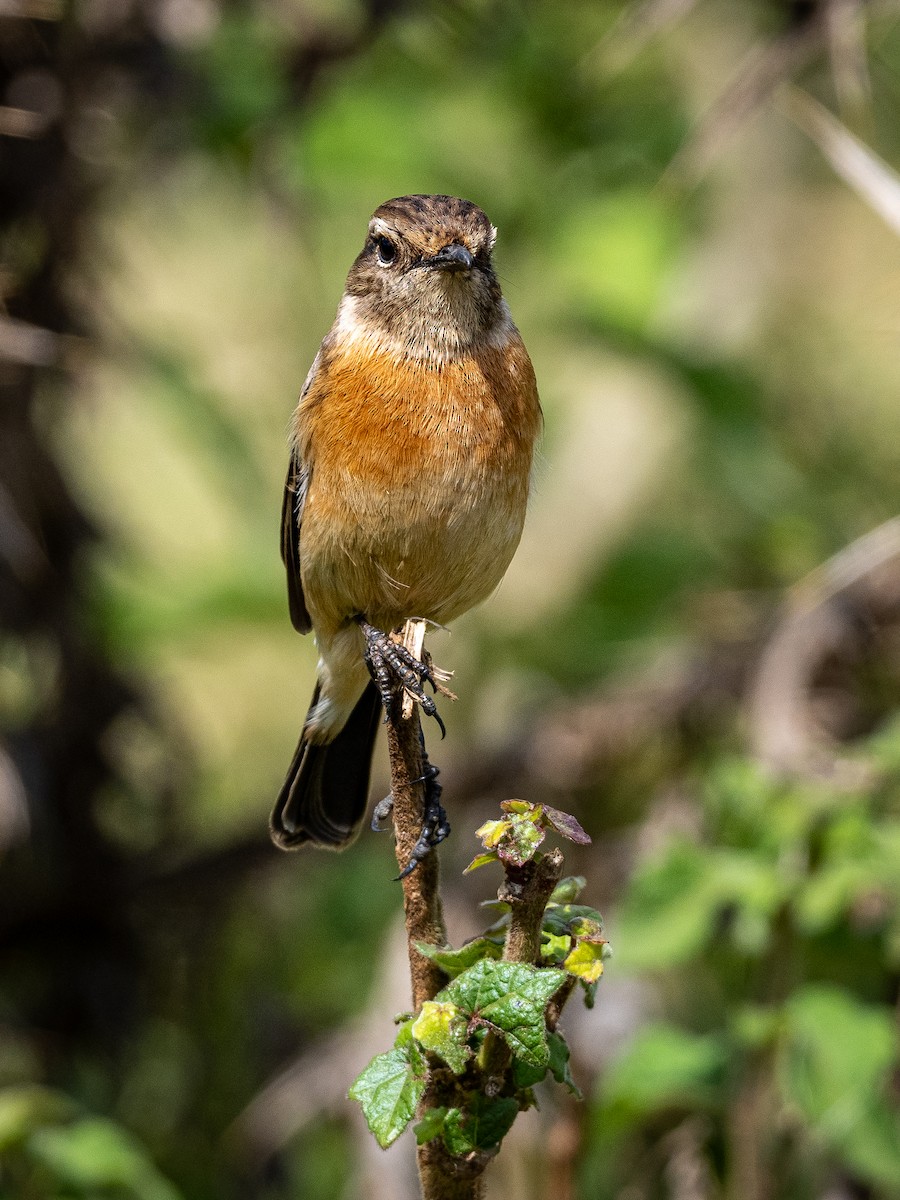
697, 649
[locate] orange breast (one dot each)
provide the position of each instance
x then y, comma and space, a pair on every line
420, 476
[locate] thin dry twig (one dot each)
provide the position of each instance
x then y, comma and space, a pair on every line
856, 163
765, 67
846, 22
24, 343
822, 615
636, 27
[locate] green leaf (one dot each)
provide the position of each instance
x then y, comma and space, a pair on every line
662, 1067
568, 890
615, 252
516, 837
756, 1026
442, 1029
482, 860
521, 840
860, 861
431, 1125
668, 910
571, 919
522, 808
491, 832
511, 998
24, 1108
555, 947
559, 1062
93, 1154
522, 845
525, 1076
388, 1091
406, 1042
586, 959
835, 1067
481, 1125
453, 962
586, 927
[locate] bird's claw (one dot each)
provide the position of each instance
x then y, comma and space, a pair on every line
435, 826
390, 664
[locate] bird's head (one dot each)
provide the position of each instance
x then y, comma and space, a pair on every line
424, 279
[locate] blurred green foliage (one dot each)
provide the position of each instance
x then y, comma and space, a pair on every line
719, 373
785, 918
50, 1149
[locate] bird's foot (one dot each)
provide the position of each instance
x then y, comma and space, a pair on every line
435, 826
391, 664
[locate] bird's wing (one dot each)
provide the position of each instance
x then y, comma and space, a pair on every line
296, 487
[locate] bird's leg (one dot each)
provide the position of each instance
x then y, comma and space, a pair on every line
391, 664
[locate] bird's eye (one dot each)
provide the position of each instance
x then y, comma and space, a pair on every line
387, 251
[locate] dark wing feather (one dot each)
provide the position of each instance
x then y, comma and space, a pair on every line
295, 489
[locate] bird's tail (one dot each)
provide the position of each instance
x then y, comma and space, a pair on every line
324, 798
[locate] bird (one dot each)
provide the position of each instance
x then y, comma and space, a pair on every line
411, 456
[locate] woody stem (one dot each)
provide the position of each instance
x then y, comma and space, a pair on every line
421, 897
440, 1177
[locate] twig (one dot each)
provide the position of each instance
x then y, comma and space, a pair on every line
636, 27
873, 180
414, 641
765, 67
526, 890
446, 1178
421, 898
824, 614
441, 1177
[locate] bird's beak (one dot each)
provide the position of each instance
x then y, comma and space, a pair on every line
452, 258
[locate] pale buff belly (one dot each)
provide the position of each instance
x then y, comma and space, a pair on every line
430, 548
